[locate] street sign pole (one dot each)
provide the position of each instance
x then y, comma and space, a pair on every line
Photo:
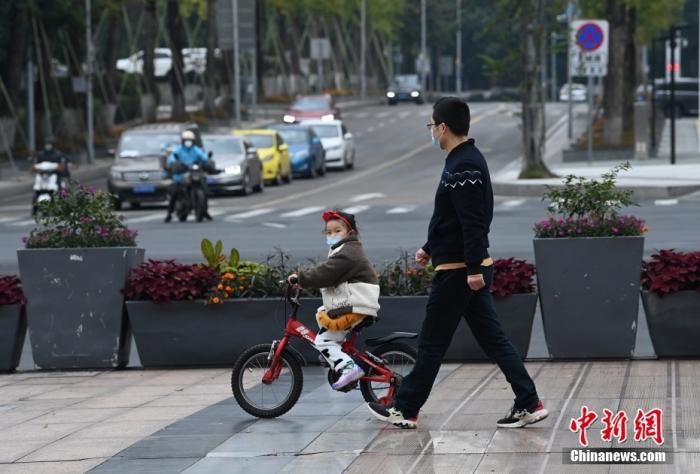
88, 78
423, 52
236, 64
554, 67
589, 154
673, 45
458, 59
31, 124
363, 51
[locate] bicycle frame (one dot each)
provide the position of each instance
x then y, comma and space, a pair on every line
295, 329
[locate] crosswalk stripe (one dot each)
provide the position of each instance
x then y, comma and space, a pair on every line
147, 218
513, 203
356, 209
3, 220
274, 225
404, 114
666, 202
365, 197
23, 223
253, 213
302, 212
383, 114
401, 210
361, 115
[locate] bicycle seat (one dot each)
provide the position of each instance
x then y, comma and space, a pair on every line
367, 322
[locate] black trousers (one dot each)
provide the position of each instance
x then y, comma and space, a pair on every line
176, 188
451, 299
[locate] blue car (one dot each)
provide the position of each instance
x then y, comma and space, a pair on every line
305, 149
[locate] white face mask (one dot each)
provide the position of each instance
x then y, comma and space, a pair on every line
188, 143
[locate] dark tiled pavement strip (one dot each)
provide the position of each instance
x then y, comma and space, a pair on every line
74, 422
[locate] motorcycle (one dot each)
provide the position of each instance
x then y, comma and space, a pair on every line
192, 189
46, 183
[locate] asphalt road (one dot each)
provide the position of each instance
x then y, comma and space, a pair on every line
391, 190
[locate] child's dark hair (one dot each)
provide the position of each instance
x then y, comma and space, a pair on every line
453, 112
346, 218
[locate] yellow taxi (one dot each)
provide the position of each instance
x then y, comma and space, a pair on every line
273, 152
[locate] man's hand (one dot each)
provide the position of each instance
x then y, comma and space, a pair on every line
422, 257
476, 282
293, 280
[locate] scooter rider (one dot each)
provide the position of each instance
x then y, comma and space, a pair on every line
52, 155
187, 153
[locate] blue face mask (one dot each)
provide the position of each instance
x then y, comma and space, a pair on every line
331, 241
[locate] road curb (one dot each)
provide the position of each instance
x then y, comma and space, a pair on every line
524, 189
24, 184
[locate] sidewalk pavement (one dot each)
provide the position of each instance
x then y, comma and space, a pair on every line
185, 421
649, 178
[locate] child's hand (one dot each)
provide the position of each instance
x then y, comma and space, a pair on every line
422, 257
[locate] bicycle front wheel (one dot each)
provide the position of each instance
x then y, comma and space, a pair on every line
266, 400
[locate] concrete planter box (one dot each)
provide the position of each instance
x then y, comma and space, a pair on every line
192, 334
589, 295
674, 323
75, 308
13, 328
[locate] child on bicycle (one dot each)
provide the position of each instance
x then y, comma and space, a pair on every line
350, 290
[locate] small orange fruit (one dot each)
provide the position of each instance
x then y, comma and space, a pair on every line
216, 300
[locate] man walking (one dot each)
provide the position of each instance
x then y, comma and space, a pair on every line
458, 247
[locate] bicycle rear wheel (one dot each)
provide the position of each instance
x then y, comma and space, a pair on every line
400, 359
266, 400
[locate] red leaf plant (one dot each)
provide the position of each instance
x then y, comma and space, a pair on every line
512, 276
669, 272
11, 290
163, 281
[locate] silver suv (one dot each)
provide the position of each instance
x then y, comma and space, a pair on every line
138, 174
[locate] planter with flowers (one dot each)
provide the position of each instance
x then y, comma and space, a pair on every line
514, 295
671, 298
73, 269
588, 259
13, 323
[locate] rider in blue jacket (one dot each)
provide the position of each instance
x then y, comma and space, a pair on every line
187, 153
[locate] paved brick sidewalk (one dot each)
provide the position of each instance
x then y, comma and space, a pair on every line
185, 421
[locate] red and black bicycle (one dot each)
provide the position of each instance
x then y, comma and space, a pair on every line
267, 378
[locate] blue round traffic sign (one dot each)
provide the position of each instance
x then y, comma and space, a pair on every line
589, 37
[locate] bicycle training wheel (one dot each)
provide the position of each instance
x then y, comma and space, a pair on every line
400, 359
266, 400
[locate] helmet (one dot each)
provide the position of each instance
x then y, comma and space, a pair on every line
188, 135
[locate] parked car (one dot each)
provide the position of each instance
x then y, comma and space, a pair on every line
578, 93
685, 100
305, 148
312, 107
337, 141
194, 61
138, 174
405, 88
239, 163
273, 152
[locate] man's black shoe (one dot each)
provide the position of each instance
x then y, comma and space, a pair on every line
168, 218
208, 217
518, 418
392, 415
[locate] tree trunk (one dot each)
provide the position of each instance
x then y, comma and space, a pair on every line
176, 33
150, 98
210, 74
618, 97
15, 61
532, 24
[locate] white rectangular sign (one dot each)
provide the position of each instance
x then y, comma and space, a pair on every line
588, 54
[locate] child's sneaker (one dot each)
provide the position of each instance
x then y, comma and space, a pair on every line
350, 373
518, 418
392, 415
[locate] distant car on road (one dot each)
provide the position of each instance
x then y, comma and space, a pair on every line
273, 152
405, 88
239, 163
685, 100
194, 61
578, 93
337, 141
305, 148
311, 107
138, 174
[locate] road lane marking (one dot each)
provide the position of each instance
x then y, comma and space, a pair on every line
361, 174
274, 225
512, 203
666, 202
361, 115
23, 223
9, 219
356, 209
404, 114
146, 218
251, 213
383, 114
303, 211
365, 197
401, 210
370, 129
381, 124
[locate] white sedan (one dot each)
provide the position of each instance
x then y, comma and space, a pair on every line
578, 93
194, 60
337, 141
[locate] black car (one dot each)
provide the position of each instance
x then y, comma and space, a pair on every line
240, 168
138, 174
305, 149
685, 101
405, 88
